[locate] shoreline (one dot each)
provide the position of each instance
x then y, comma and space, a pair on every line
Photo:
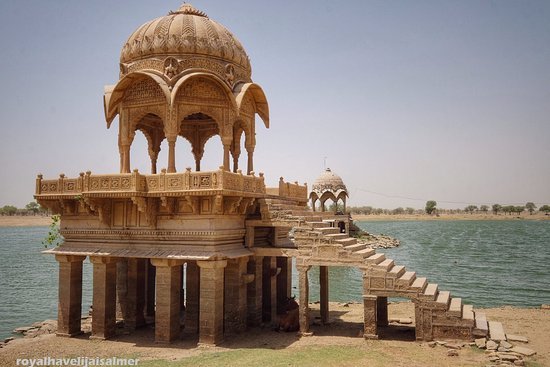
448, 217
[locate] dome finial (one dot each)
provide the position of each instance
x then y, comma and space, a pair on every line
187, 8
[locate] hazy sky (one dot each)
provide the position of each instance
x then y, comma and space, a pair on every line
408, 100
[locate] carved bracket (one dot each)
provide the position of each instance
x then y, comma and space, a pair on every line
100, 207
193, 203
149, 207
168, 203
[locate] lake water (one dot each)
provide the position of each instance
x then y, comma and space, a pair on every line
487, 263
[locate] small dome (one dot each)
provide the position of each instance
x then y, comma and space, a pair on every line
329, 181
187, 31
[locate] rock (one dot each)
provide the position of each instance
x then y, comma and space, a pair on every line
494, 358
432, 344
406, 321
502, 349
517, 338
453, 346
545, 307
452, 353
491, 345
519, 362
522, 350
7, 340
505, 344
508, 357
439, 342
481, 343
23, 329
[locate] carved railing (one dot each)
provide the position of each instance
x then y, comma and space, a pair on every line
154, 185
292, 190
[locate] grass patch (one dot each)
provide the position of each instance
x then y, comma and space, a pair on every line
313, 356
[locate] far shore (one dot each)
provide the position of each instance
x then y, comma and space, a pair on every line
25, 220
445, 216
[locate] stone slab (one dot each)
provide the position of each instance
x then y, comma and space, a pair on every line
496, 331
522, 350
517, 338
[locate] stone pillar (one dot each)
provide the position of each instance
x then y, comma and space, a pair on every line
235, 295
69, 311
303, 283
167, 313
269, 289
382, 311
369, 305
122, 289
150, 286
323, 284
250, 167
125, 158
235, 162
254, 294
226, 148
211, 301
192, 290
284, 279
104, 297
136, 294
171, 154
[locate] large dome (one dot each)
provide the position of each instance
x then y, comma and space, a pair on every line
185, 32
329, 181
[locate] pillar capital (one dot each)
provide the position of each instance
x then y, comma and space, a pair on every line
103, 259
303, 267
166, 262
212, 264
69, 258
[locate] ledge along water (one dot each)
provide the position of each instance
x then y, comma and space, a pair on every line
487, 263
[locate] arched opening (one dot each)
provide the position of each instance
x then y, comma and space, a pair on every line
140, 160
212, 157
198, 128
151, 127
238, 149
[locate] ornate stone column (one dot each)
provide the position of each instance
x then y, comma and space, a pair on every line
250, 166
254, 294
167, 315
369, 305
192, 290
104, 297
211, 315
284, 279
226, 148
171, 153
303, 284
69, 310
323, 284
235, 295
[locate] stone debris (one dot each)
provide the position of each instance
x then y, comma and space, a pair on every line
505, 344
453, 346
522, 350
452, 353
7, 340
481, 343
439, 342
432, 344
545, 307
37, 328
519, 362
491, 345
517, 338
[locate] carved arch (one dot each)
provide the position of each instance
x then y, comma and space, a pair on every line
212, 77
258, 96
114, 95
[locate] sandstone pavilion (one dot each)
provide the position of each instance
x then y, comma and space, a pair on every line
216, 241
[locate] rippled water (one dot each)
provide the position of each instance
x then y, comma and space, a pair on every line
487, 263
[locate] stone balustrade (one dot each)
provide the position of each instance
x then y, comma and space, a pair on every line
292, 190
162, 184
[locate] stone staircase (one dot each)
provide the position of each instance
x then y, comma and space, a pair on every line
437, 313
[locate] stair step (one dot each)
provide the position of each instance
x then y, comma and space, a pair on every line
328, 230
468, 312
355, 246
366, 252
375, 259
481, 328
455, 309
407, 278
385, 265
337, 236
348, 242
419, 284
397, 271
496, 331
430, 292
443, 298
318, 224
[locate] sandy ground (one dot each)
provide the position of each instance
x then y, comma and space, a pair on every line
24, 221
396, 348
488, 216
